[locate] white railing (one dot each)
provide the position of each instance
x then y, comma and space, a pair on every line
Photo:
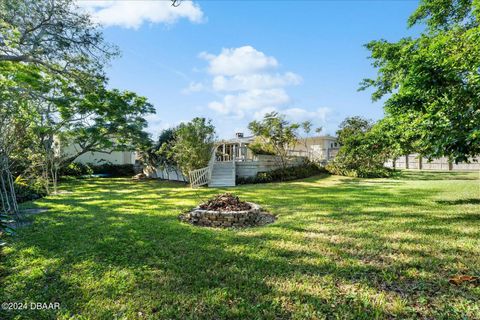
211, 162
202, 176
199, 177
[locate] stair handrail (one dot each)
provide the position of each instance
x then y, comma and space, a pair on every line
234, 169
202, 176
198, 177
211, 162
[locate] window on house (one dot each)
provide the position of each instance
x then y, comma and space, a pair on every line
331, 145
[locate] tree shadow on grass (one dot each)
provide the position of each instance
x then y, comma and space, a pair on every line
459, 201
435, 175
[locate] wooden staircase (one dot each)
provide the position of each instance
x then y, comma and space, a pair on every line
218, 173
223, 174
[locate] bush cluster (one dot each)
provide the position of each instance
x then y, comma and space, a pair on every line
76, 170
29, 190
114, 170
341, 169
364, 150
283, 174
260, 148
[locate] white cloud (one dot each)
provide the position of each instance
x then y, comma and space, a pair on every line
299, 114
255, 81
250, 101
132, 14
258, 115
153, 118
155, 124
247, 81
238, 61
193, 87
249, 84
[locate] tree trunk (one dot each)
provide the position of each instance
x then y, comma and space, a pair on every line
7, 191
3, 198
53, 172
45, 175
167, 170
12, 193
6, 205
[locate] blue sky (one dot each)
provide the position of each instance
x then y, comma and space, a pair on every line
232, 61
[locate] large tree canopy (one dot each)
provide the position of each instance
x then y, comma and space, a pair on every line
53, 89
277, 134
364, 149
53, 33
108, 120
192, 148
433, 82
52, 56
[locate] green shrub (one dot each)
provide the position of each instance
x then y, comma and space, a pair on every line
341, 169
258, 147
114, 170
75, 169
363, 151
29, 190
281, 174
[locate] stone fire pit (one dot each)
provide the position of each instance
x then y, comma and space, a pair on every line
226, 211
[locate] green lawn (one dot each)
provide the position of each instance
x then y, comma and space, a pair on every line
341, 248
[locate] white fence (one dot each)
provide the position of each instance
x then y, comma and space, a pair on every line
170, 173
413, 161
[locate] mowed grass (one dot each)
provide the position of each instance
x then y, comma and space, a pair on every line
342, 248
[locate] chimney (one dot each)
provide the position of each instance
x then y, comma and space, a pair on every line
239, 134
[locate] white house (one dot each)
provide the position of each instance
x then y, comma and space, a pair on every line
318, 148
96, 158
232, 158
